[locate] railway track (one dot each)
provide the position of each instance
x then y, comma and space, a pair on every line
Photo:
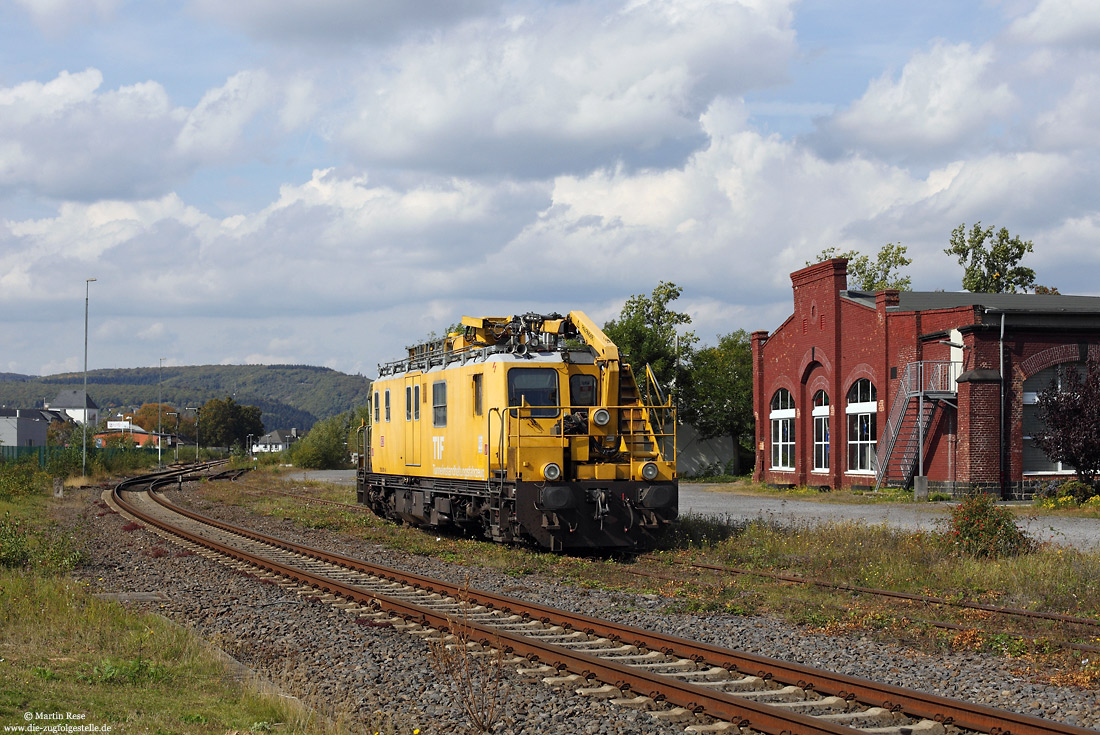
714, 688
1088, 624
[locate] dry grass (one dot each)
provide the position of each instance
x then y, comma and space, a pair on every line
64, 650
1052, 579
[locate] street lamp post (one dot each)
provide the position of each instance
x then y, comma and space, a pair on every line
250, 445
177, 442
160, 394
84, 440
130, 421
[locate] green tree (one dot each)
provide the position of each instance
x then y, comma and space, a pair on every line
878, 274
717, 399
225, 423
326, 446
992, 263
645, 333
146, 417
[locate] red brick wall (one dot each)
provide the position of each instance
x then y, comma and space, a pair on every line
828, 343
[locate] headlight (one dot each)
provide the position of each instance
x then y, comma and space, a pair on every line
601, 416
551, 471
649, 471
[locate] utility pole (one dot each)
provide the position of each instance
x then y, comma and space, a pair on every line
160, 394
84, 441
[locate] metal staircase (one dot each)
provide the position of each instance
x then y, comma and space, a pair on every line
921, 389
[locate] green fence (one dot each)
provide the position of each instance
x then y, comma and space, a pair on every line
12, 454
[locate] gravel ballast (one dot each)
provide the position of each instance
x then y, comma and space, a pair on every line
377, 676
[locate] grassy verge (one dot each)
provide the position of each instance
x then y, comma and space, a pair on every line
69, 658
65, 651
1056, 505
1044, 578
745, 486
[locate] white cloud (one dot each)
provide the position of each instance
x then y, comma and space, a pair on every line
568, 87
57, 16
944, 99
66, 139
340, 21
502, 157
1074, 122
1060, 22
215, 127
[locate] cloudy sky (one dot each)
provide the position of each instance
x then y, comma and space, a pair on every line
326, 181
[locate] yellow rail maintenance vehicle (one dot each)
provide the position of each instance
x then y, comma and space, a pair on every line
525, 429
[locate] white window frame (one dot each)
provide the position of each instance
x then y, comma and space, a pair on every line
859, 414
821, 438
1031, 398
783, 436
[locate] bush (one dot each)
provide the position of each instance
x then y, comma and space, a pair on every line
325, 446
979, 528
14, 546
1079, 491
1067, 494
21, 548
65, 462
699, 531
22, 477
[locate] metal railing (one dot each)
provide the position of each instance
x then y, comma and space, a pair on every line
937, 377
526, 427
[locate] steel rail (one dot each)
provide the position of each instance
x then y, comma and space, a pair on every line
761, 717
1021, 612
1058, 617
915, 704
934, 623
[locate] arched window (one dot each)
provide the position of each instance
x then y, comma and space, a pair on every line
862, 411
782, 421
821, 431
1035, 459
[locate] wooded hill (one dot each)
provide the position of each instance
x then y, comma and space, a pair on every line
290, 396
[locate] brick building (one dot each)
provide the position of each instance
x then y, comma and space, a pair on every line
861, 389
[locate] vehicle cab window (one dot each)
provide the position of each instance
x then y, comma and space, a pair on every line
582, 390
537, 386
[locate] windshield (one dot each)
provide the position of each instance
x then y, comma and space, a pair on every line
536, 386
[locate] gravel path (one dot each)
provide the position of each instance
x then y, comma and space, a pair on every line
1082, 533
382, 678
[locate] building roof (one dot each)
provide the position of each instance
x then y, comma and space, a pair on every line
72, 399
1018, 302
37, 414
279, 436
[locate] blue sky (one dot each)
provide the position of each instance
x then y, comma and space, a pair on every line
326, 182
